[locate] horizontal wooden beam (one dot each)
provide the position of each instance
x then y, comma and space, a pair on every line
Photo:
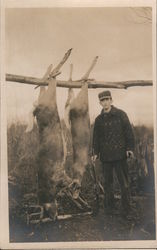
78, 84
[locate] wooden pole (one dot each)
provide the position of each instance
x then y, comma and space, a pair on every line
92, 83
78, 83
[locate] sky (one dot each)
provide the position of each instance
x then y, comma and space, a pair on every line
37, 37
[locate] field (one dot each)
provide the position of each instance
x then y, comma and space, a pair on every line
22, 172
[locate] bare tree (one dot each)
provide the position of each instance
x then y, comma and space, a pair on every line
142, 14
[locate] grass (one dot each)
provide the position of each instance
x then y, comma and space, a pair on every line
22, 167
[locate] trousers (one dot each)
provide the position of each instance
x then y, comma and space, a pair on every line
121, 170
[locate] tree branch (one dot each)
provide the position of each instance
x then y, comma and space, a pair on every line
78, 84
144, 14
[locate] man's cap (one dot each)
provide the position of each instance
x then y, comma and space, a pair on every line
105, 94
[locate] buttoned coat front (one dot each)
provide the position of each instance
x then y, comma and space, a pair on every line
113, 135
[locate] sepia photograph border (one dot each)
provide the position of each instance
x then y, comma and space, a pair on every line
4, 210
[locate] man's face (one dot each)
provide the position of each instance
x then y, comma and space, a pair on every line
106, 103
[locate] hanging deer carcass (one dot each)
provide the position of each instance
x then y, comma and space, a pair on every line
78, 118
80, 130
78, 122
50, 162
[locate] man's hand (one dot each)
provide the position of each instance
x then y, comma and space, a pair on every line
94, 157
130, 154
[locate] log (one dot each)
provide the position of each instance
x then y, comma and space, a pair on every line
78, 83
60, 217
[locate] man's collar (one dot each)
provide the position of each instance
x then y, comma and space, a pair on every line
112, 111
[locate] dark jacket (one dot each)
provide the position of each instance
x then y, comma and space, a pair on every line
112, 135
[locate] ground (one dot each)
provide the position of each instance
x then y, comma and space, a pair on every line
139, 225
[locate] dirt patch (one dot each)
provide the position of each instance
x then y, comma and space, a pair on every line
138, 225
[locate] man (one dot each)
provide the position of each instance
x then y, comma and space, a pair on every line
113, 142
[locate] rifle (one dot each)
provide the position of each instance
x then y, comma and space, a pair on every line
97, 186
